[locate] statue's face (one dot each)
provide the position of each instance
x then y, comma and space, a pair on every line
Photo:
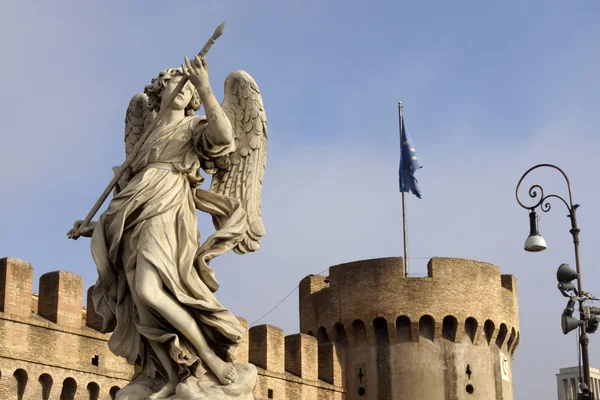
182, 99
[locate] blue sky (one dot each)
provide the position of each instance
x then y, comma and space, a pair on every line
489, 88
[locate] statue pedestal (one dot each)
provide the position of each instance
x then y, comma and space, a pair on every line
206, 388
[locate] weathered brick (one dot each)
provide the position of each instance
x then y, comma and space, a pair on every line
16, 279
61, 297
92, 319
302, 356
267, 348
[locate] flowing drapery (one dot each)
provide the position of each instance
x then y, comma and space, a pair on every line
154, 218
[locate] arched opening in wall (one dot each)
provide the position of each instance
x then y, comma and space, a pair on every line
471, 328
69, 389
21, 378
339, 334
113, 392
322, 335
449, 327
382, 337
501, 335
310, 333
488, 329
426, 327
511, 339
403, 329
93, 390
512, 351
45, 381
359, 332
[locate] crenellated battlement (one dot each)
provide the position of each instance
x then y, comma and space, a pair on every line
415, 337
59, 300
365, 328
371, 300
50, 339
296, 358
295, 366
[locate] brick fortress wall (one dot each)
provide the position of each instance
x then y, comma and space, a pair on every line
49, 346
51, 349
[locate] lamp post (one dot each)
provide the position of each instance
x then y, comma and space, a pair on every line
565, 275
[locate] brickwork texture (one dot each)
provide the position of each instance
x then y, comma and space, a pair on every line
367, 332
449, 336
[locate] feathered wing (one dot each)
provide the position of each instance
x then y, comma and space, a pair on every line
137, 119
240, 173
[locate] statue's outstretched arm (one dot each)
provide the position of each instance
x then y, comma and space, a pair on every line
219, 131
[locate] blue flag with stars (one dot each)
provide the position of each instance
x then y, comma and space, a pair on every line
409, 164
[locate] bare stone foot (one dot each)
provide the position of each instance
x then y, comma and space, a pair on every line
167, 390
224, 371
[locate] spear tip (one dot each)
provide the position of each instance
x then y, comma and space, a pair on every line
219, 30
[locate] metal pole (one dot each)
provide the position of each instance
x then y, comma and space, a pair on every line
583, 337
405, 266
404, 230
543, 204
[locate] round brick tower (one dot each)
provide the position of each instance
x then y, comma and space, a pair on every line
450, 335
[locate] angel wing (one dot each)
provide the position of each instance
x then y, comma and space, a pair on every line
240, 174
137, 119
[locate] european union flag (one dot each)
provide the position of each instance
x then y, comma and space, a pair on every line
409, 163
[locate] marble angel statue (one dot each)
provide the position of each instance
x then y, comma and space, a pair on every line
155, 289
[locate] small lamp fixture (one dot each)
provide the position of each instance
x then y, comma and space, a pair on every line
535, 242
568, 323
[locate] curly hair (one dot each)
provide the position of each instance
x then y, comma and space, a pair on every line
155, 88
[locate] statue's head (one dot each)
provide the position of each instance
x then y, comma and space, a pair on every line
162, 86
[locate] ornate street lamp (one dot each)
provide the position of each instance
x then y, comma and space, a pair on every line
535, 242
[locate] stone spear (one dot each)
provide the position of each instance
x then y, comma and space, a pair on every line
75, 235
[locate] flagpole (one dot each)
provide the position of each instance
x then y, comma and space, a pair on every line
405, 266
